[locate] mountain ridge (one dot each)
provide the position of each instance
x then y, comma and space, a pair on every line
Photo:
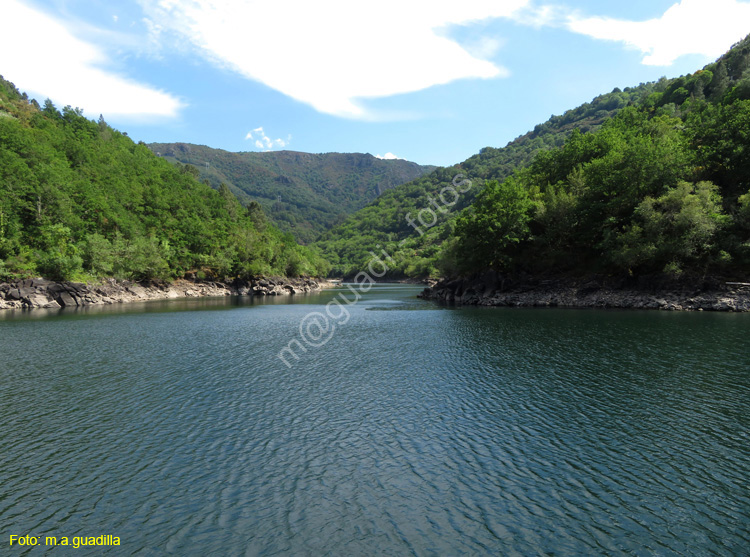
302, 193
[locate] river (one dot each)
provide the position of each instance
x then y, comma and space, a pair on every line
396, 427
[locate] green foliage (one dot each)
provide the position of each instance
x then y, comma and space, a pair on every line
674, 231
625, 198
60, 260
98, 255
143, 259
59, 266
496, 223
622, 199
720, 137
79, 199
743, 213
5, 274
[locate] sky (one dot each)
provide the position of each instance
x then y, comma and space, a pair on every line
427, 81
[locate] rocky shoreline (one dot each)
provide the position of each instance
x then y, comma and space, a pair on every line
41, 293
596, 292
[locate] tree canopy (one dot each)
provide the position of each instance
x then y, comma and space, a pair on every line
80, 200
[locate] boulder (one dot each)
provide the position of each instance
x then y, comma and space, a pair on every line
137, 291
40, 283
13, 294
56, 287
65, 299
78, 287
41, 301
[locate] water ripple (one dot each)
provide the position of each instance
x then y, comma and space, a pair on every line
416, 430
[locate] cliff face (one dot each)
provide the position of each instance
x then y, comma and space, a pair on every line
492, 289
41, 293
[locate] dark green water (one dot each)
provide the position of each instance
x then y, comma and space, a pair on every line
414, 430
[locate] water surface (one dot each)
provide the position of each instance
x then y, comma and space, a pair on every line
414, 430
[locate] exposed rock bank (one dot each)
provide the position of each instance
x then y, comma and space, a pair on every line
492, 289
41, 293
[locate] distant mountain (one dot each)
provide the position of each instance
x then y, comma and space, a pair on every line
302, 193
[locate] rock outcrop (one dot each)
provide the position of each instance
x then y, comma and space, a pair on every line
41, 293
492, 289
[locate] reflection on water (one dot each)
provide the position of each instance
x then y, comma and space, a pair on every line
415, 430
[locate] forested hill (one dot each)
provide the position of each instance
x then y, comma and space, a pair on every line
348, 245
647, 179
80, 200
302, 193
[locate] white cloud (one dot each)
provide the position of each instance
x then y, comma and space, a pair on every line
542, 16
389, 157
333, 54
706, 27
262, 141
484, 47
42, 57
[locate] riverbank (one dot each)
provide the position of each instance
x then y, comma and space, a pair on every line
41, 293
595, 292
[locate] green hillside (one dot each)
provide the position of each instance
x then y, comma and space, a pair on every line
384, 220
81, 200
574, 194
302, 193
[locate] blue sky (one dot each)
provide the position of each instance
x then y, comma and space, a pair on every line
428, 81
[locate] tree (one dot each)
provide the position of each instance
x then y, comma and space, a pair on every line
60, 261
497, 222
673, 230
50, 110
720, 137
719, 83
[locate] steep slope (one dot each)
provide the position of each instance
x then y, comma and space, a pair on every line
81, 200
416, 244
661, 190
302, 193
384, 221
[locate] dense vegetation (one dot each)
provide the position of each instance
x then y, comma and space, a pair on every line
664, 187
80, 200
654, 179
304, 194
384, 221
